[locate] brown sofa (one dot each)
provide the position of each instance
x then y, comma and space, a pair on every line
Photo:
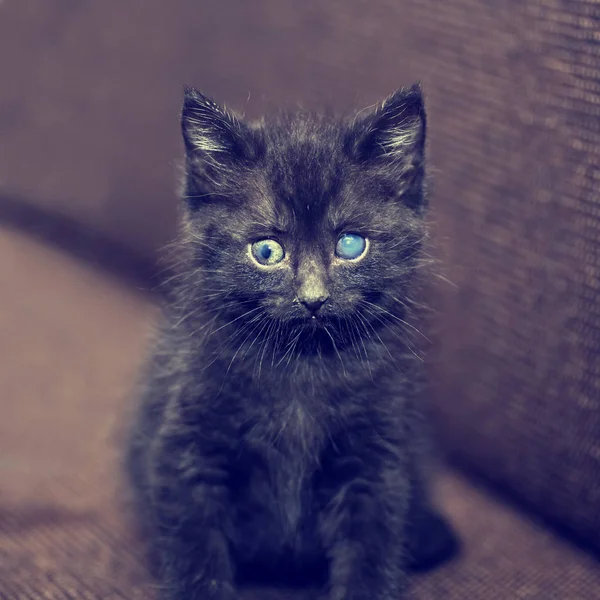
88, 137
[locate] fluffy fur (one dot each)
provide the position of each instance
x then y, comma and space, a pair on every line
269, 443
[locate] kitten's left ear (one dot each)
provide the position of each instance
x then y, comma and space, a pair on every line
394, 134
212, 133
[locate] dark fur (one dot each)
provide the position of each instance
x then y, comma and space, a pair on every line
268, 443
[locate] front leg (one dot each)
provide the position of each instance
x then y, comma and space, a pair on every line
362, 530
190, 501
430, 540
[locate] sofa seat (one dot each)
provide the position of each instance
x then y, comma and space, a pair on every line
72, 339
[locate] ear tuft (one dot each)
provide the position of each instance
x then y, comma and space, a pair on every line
402, 121
395, 130
392, 139
211, 131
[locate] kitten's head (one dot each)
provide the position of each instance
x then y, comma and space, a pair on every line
305, 221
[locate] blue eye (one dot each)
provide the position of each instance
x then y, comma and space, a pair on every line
351, 246
267, 252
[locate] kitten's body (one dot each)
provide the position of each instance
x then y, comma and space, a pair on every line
270, 442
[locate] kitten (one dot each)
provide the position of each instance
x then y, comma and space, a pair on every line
280, 432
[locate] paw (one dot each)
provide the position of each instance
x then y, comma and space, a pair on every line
431, 543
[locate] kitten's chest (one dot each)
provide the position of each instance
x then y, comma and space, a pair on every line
288, 442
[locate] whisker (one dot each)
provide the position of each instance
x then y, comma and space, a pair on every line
367, 323
352, 335
397, 318
241, 345
257, 336
404, 339
290, 346
362, 341
225, 344
236, 319
201, 311
336, 349
266, 341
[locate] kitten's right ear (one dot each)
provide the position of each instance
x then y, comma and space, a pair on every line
211, 132
393, 137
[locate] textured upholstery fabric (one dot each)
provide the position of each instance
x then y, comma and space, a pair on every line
71, 342
65, 384
518, 140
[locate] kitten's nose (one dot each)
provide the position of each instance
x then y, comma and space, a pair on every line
313, 304
312, 290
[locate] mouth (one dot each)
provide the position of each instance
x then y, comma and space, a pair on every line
315, 321
309, 323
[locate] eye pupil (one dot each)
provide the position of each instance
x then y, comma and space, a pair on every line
351, 246
266, 252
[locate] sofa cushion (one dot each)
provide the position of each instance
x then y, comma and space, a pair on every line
73, 339
518, 375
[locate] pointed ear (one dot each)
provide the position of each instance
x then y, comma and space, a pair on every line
394, 135
211, 132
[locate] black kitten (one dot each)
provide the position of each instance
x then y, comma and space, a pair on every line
280, 430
